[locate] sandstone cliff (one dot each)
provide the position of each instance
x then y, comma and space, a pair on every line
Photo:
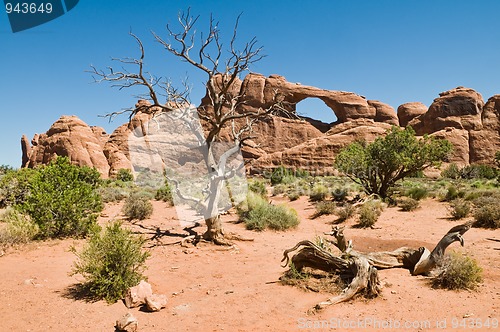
459, 115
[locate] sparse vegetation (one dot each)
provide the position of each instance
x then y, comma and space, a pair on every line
460, 208
417, 193
452, 171
111, 262
137, 206
369, 213
165, 194
456, 272
125, 175
258, 214
487, 212
324, 208
18, 228
258, 187
408, 204
345, 212
14, 186
318, 193
340, 194
293, 195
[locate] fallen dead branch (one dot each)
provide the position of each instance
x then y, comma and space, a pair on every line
361, 268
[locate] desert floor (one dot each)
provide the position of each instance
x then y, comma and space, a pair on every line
211, 288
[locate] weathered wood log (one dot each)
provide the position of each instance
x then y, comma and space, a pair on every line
361, 268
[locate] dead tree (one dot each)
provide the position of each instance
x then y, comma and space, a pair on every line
361, 268
223, 65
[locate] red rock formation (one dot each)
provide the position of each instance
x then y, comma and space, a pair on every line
409, 111
457, 115
69, 136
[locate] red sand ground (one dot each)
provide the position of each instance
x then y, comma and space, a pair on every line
212, 289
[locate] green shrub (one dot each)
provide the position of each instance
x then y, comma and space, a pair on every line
487, 212
282, 175
453, 193
476, 171
460, 208
279, 189
324, 208
63, 200
15, 186
340, 194
318, 193
408, 204
345, 212
293, 195
258, 187
369, 213
417, 193
451, 172
165, 194
456, 272
125, 175
18, 229
137, 206
258, 214
111, 262
112, 194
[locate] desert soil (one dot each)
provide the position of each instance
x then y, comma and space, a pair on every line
212, 288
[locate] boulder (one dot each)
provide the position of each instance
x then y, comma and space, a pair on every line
410, 111
485, 143
384, 113
136, 296
459, 138
69, 136
155, 302
127, 323
459, 108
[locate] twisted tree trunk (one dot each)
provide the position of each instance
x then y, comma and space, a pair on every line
361, 268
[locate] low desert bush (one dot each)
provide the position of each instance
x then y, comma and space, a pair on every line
111, 194
111, 262
417, 193
369, 213
279, 189
137, 206
340, 194
487, 212
63, 199
451, 172
344, 212
18, 228
477, 171
15, 186
258, 214
318, 193
124, 175
408, 204
453, 193
258, 187
460, 208
324, 208
456, 272
165, 194
293, 195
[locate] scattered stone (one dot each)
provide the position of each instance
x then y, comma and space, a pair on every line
127, 323
155, 302
136, 296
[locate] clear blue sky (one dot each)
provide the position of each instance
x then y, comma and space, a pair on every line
392, 51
